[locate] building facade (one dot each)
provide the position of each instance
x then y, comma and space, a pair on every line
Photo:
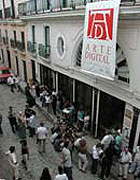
53, 49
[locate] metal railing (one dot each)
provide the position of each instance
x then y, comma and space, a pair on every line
44, 51
32, 47
39, 6
5, 40
20, 46
13, 43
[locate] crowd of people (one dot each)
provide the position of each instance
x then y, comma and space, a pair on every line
68, 137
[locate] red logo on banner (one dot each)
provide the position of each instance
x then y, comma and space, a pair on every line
100, 24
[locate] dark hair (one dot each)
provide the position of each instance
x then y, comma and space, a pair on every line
12, 149
42, 124
60, 169
45, 174
66, 144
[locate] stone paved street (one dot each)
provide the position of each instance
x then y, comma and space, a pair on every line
37, 161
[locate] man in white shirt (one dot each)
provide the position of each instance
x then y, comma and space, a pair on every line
61, 175
10, 82
66, 161
13, 161
41, 137
124, 161
107, 139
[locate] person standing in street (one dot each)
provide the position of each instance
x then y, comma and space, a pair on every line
61, 175
31, 124
82, 163
13, 162
66, 160
12, 119
106, 162
96, 153
10, 82
24, 152
45, 174
124, 161
1, 131
41, 134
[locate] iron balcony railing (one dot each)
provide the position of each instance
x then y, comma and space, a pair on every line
44, 51
13, 43
32, 47
20, 46
5, 40
41, 6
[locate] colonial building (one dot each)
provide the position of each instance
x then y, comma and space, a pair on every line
54, 34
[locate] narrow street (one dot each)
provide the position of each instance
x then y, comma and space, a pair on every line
37, 161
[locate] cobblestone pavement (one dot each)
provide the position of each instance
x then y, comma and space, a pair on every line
37, 161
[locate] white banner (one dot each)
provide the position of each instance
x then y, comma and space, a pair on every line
100, 32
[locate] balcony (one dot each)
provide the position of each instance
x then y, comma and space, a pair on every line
5, 40
44, 51
13, 43
20, 46
32, 47
41, 6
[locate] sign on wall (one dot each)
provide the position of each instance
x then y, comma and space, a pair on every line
99, 45
127, 124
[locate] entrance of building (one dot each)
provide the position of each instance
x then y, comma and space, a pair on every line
9, 59
111, 113
65, 85
47, 77
24, 71
33, 70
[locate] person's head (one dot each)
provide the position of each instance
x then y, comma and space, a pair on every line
46, 174
12, 149
24, 142
60, 169
10, 107
41, 124
126, 149
118, 132
66, 144
98, 145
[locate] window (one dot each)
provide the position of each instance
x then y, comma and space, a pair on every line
33, 33
23, 39
15, 37
60, 46
47, 36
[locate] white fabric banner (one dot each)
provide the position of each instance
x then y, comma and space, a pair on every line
100, 33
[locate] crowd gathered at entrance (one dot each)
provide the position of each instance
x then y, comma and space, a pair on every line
67, 136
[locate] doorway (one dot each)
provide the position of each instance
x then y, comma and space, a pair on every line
17, 66
9, 58
33, 70
111, 113
24, 71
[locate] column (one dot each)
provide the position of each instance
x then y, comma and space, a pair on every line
92, 110
56, 82
73, 87
97, 112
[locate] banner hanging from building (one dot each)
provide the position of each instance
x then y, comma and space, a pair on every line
100, 33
